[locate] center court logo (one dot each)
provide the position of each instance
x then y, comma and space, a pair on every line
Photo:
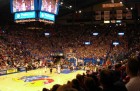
39, 80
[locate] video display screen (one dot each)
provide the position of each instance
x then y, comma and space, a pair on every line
23, 5
50, 6
47, 16
25, 15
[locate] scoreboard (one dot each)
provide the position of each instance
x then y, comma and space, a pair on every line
23, 5
47, 16
50, 6
45, 10
25, 15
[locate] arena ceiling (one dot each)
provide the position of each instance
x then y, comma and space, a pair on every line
64, 8
6, 16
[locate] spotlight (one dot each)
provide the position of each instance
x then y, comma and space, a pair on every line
61, 3
80, 11
70, 6
131, 8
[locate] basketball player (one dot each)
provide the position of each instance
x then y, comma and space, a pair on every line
51, 70
15, 6
56, 7
32, 5
50, 7
45, 5
58, 69
18, 5
98, 61
26, 67
28, 4
45, 68
23, 5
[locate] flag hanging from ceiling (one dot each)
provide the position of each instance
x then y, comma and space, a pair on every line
106, 15
98, 15
128, 15
119, 14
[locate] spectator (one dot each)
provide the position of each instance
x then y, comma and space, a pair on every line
132, 69
106, 79
66, 88
45, 89
55, 87
90, 84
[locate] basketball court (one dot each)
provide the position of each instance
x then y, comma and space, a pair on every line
36, 80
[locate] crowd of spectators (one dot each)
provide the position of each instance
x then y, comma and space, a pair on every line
123, 76
20, 46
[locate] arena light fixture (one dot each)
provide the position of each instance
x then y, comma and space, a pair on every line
47, 34
115, 43
95, 34
70, 6
106, 21
87, 43
121, 2
61, 3
80, 11
121, 34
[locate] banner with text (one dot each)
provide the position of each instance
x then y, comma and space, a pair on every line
9, 71
106, 15
112, 5
129, 15
98, 15
119, 14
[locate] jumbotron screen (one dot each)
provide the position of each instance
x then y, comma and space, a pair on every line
23, 5
50, 6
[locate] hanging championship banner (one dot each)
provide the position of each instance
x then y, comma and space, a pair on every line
98, 15
106, 15
119, 14
129, 15
138, 7
111, 5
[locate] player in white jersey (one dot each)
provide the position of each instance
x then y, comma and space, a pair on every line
50, 8
58, 69
32, 5
23, 5
45, 68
